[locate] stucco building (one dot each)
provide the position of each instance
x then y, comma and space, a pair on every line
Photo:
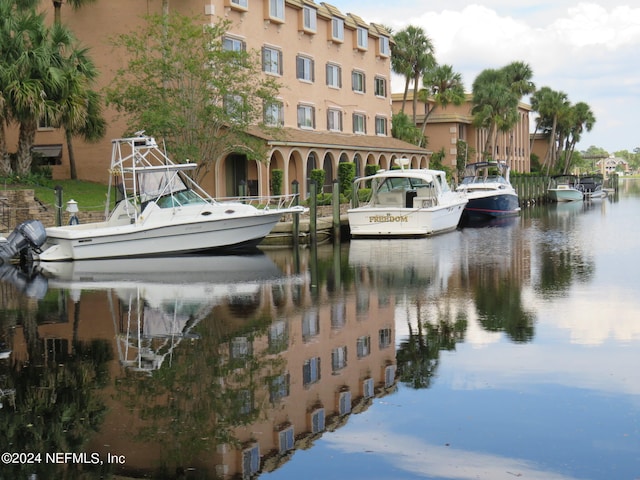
446, 126
335, 104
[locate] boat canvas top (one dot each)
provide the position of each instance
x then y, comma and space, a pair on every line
140, 172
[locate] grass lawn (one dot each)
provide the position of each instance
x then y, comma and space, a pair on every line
90, 196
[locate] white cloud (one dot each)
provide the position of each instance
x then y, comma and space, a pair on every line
412, 455
586, 49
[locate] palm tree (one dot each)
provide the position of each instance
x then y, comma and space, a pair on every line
411, 56
34, 74
81, 107
582, 119
76, 97
493, 101
496, 94
75, 4
14, 16
443, 86
518, 75
549, 104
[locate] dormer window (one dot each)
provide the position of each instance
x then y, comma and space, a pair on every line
309, 19
362, 38
385, 49
337, 29
242, 5
276, 10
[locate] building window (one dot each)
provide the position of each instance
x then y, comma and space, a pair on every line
276, 9
357, 81
304, 68
240, 348
310, 324
384, 335
334, 75
278, 337
306, 116
250, 461
334, 120
234, 107
359, 123
380, 86
363, 346
363, 38
272, 60
338, 359
367, 388
285, 438
311, 371
309, 18
381, 126
317, 420
238, 4
337, 29
389, 376
279, 388
274, 114
338, 315
385, 49
233, 44
344, 403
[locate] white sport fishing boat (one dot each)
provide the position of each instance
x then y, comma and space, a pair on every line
157, 302
161, 210
406, 202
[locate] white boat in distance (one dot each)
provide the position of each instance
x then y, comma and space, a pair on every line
405, 202
564, 188
161, 210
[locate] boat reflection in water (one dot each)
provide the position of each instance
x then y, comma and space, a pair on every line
161, 300
227, 364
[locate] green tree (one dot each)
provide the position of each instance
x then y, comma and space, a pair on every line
191, 91
45, 75
15, 17
442, 87
81, 106
493, 103
496, 95
404, 129
75, 4
582, 119
549, 104
35, 77
412, 55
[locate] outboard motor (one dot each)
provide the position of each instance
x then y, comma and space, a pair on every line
26, 279
29, 235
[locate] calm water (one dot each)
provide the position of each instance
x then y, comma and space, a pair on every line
501, 352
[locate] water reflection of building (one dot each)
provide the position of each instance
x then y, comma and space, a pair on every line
250, 372
335, 362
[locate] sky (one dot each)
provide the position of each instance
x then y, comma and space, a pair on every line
589, 49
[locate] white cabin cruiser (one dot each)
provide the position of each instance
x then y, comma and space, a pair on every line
161, 211
405, 202
489, 190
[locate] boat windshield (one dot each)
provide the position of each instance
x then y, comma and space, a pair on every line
487, 179
177, 199
403, 184
154, 184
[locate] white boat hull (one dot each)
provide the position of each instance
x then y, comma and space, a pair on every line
565, 194
181, 234
370, 221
